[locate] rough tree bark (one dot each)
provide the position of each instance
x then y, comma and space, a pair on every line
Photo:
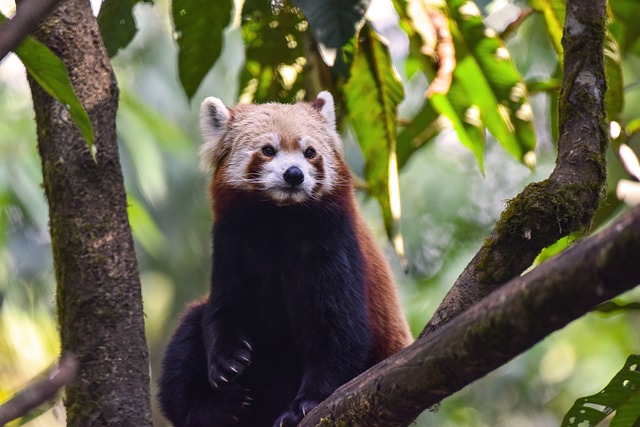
488, 329
98, 289
521, 313
564, 203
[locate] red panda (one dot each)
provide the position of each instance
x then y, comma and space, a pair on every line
302, 300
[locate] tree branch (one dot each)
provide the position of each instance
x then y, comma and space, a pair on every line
509, 321
28, 14
564, 203
41, 391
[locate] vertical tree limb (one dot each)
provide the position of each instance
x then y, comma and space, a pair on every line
98, 288
564, 203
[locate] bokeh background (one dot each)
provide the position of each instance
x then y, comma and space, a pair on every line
449, 207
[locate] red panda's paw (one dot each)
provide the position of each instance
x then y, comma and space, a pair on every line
294, 414
232, 403
227, 360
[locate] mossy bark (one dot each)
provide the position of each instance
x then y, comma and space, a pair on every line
566, 202
515, 317
98, 289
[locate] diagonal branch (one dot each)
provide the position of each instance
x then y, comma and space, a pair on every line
41, 391
28, 14
506, 323
564, 203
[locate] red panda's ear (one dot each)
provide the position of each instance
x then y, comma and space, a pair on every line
324, 105
214, 117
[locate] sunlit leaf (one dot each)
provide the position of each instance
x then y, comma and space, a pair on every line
452, 110
621, 394
491, 82
274, 50
553, 250
372, 95
633, 127
51, 74
554, 13
198, 26
334, 23
117, 23
486, 90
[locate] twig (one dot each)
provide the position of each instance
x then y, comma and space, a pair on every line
28, 14
445, 54
41, 391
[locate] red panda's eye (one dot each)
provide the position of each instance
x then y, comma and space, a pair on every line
309, 153
268, 151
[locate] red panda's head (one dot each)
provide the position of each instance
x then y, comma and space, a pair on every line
289, 153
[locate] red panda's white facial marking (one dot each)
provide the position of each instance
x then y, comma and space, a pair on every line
286, 172
287, 152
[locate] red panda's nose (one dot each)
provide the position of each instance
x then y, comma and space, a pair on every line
293, 176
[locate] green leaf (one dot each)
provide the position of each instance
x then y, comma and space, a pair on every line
441, 111
274, 50
554, 13
462, 115
621, 394
372, 95
51, 74
491, 82
334, 23
423, 128
144, 228
624, 25
117, 24
628, 414
547, 85
633, 127
486, 89
199, 26
557, 247
613, 306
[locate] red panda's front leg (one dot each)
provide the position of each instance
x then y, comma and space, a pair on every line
186, 396
228, 349
329, 318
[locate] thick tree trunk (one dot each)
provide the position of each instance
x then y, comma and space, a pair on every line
98, 289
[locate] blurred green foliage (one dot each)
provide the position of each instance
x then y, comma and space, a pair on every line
449, 205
